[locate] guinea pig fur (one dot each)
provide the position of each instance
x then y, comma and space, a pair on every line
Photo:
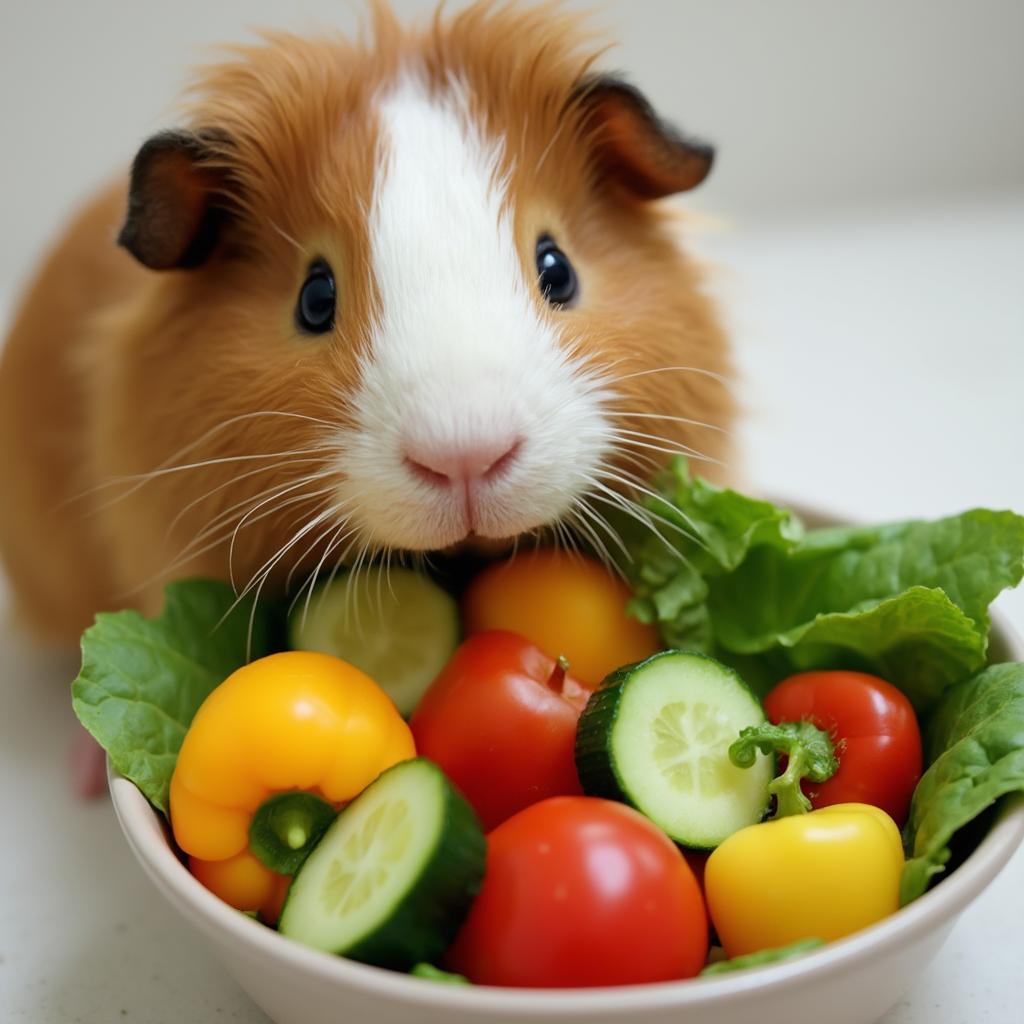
382, 296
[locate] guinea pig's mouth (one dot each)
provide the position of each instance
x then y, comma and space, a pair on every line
477, 544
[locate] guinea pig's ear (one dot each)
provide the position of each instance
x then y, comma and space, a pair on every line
173, 215
632, 145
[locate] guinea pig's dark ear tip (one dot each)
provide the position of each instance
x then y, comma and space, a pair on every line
633, 145
172, 220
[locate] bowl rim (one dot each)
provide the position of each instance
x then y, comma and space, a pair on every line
145, 834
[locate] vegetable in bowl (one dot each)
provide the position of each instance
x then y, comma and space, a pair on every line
731, 534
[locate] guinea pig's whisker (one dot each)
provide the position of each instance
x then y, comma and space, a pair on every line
380, 585
625, 433
331, 531
676, 369
597, 545
647, 464
309, 586
190, 551
272, 511
233, 482
387, 570
630, 481
141, 479
264, 571
633, 511
631, 437
642, 515
586, 520
219, 461
674, 419
352, 581
602, 521
271, 494
339, 561
253, 501
563, 538
193, 445
330, 535
247, 506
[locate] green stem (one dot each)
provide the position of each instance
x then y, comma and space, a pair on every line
810, 755
789, 797
286, 827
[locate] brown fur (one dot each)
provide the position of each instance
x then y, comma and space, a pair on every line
111, 370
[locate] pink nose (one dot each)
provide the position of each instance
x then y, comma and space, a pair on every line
444, 464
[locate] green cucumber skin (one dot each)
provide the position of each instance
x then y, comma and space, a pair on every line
447, 888
595, 759
595, 762
429, 915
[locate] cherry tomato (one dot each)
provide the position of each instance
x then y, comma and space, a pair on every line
566, 604
877, 738
500, 720
582, 892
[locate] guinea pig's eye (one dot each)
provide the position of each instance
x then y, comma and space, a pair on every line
555, 276
315, 310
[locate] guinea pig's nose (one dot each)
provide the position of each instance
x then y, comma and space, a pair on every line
442, 464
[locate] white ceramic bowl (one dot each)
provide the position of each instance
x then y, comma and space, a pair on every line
855, 980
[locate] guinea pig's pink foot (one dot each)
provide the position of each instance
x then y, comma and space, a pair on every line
88, 766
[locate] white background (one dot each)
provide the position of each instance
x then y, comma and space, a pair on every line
866, 224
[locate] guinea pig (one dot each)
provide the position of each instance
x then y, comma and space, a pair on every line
392, 295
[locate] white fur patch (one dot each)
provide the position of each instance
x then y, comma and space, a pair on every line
461, 348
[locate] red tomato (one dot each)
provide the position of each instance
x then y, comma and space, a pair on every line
877, 738
500, 720
582, 892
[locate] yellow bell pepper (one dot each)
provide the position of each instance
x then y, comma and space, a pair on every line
243, 882
296, 721
824, 874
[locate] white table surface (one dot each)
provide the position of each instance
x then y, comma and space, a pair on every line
884, 366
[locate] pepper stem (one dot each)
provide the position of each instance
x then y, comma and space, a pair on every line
286, 827
296, 837
790, 798
556, 681
809, 752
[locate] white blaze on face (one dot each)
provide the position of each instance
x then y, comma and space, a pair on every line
462, 355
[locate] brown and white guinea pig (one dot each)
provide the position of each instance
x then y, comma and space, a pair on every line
397, 295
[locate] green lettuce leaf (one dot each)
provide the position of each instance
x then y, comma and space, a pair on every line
918, 639
699, 532
142, 679
762, 958
976, 752
740, 579
431, 973
970, 557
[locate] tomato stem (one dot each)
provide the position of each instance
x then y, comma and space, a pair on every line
556, 681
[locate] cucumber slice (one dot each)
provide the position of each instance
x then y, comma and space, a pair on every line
656, 735
399, 627
393, 878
